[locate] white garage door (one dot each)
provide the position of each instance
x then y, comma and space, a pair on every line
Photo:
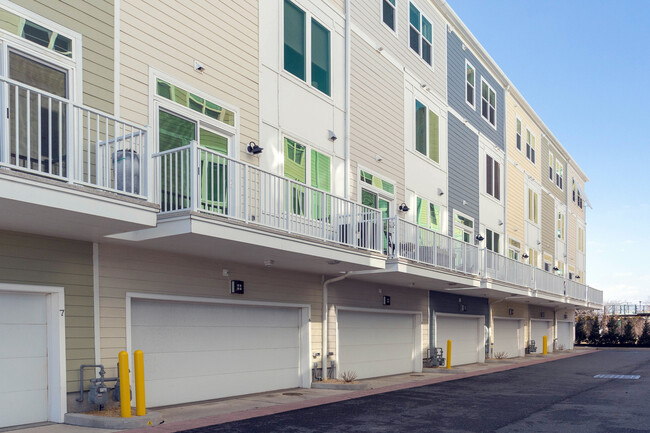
507, 337
23, 359
564, 335
464, 335
376, 344
538, 329
195, 352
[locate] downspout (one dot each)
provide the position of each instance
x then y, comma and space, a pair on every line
346, 132
324, 332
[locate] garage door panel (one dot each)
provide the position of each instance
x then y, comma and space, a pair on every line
564, 335
26, 374
207, 351
26, 407
14, 335
191, 339
375, 344
23, 308
539, 329
507, 337
463, 332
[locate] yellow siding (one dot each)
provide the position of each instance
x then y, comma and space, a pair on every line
548, 224
572, 240
516, 204
514, 111
39, 260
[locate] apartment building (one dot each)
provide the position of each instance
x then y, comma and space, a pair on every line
319, 187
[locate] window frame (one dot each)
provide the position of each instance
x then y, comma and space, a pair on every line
427, 138
308, 161
490, 89
309, 20
395, 15
494, 181
561, 226
429, 203
551, 167
559, 174
514, 249
465, 228
519, 127
381, 193
534, 210
467, 63
531, 150
492, 235
420, 34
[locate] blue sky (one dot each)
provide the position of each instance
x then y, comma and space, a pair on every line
583, 66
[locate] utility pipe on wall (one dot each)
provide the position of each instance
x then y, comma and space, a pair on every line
346, 133
324, 332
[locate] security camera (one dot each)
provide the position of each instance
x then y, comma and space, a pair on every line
332, 136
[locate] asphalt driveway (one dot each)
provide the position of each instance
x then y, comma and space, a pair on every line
559, 396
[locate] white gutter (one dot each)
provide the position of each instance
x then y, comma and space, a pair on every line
346, 132
324, 332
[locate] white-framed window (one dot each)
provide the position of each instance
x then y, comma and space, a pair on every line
551, 170
559, 174
514, 249
581, 240
492, 177
530, 146
579, 199
492, 241
488, 103
470, 84
518, 134
533, 257
560, 268
428, 214
561, 221
389, 13
420, 34
463, 227
307, 49
427, 132
533, 206
573, 189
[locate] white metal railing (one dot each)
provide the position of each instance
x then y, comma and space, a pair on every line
594, 296
413, 242
51, 136
506, 269
549, 282
198, 179
576, 290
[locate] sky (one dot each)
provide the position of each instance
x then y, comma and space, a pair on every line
583, 66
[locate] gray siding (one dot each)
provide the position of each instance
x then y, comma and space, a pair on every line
450, 304
456, 89
463, 171
560, 194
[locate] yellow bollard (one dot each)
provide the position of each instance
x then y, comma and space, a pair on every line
138, 362
125, 397
545, 349
448, 354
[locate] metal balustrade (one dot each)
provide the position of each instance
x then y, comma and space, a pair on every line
503, 268
51, 136
594, 296
198, 179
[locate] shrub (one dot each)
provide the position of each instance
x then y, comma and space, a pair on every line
581, 332
594, 335
500, 355
629, 336
644, 338
349, 376
612, 335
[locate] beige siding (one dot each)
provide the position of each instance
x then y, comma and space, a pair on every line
548, 147
548, 225
168, 36
366, 16
29, 259
516, 201
376, 118
514, 111
572, 239
94, 21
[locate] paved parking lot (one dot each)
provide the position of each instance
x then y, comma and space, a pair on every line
559, 396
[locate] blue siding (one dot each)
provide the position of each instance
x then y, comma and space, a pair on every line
449, 303
456, 57
463, 171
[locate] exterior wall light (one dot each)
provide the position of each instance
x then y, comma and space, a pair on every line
254, 149
403, 207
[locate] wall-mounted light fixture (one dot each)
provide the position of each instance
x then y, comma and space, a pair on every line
525, 256
198, 66
500, 222
440, 191
511, 311
254, 149
479, 237
577, 277
331, 136
403, 207
555, 268
386, 300
269, 262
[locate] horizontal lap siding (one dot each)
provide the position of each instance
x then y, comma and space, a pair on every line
516, 205
223, 36
463, 172
376, 118
124, 269
94, 21
548, 225
572, 238
519, 156
39, 260
560, 194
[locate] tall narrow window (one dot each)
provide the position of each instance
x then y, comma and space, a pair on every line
573, 189
428, 214
388, 13
470, 83
560, 226
550, 166
320, 57
420, 34
489, 173
559, 174
492, 241
294, 40
518, 134
532, 206
488, 103
530, 146
493, 177
427, 131
420, 127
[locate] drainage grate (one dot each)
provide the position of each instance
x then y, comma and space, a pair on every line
617, 376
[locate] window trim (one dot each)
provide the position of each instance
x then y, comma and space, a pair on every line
483, 80
551, 166
533, 151
395, 10
463, 227
308, 163
420, 35
491, 182
497, 234
561, 216
514, 248
518, 134
309, 17
429, 203
559, 178
427, 139
390, 198
467, 63
535, 210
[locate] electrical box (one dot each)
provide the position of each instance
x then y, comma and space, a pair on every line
98, 394
237, 287
386, 300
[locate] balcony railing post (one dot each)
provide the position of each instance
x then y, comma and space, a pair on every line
396, 240
195, 164
288, 202
417, 243
245, 193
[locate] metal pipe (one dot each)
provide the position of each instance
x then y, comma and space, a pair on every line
102, 372
346, 133
324, 333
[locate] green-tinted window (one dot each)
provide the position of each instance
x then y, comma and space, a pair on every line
434, 136
426, 30
216, 142
422, 213
294, 40
414, 16
464, 221
295, 161
194, 102
35, 33
368, 198
320, 171
377, 181
428, 215
320, 57
174, 131
420, 127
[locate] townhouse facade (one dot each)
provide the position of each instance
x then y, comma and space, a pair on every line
320, 187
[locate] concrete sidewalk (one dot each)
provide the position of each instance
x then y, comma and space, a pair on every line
183, 417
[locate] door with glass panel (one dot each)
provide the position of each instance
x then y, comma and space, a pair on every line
374, 200
37, 102
176, 132
463, 231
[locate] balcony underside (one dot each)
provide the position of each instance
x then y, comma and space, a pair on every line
535, 297
234, 241
35, 204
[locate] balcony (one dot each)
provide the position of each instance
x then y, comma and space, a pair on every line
70, 170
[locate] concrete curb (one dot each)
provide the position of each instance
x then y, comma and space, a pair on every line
341, 386
272, 410
110, 422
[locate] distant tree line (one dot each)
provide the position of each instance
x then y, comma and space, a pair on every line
612, 330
